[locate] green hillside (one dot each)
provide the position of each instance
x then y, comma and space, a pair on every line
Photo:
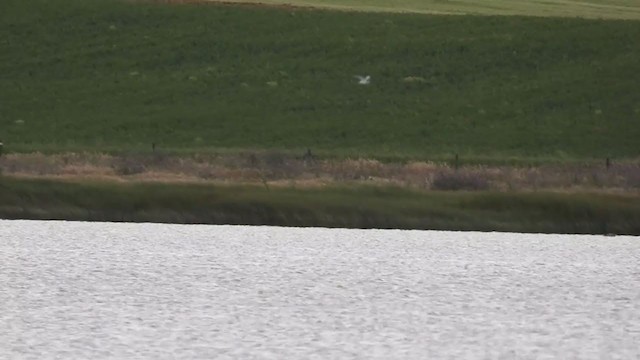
101, 75
607, 9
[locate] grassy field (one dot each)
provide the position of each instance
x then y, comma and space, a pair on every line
359, 207
612, 9
89, 75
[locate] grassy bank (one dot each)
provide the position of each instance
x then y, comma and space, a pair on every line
360, 207
89, 75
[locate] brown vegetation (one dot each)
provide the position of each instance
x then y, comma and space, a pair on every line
274, 168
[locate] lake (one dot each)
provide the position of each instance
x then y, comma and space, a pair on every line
153, 291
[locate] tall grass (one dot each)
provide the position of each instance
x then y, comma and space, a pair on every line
361, 207
115, 76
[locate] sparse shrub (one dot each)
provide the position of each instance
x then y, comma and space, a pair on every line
454, 180
276, 165
128, 165
631, 174
252, 161
275, 159
160, 159
32, 164
358, 169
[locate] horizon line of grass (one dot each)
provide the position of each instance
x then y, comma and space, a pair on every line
592, 9
335, 206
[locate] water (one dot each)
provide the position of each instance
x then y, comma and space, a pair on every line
99, 290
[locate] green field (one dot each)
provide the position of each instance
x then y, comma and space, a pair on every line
89, 75
343, 206
613, 9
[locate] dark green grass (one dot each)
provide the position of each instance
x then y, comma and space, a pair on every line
101, 75
351, 207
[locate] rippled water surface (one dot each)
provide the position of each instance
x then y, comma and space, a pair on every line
100, 290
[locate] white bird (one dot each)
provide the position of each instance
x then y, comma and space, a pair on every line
363, 80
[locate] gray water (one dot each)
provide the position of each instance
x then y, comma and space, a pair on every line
72, 290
